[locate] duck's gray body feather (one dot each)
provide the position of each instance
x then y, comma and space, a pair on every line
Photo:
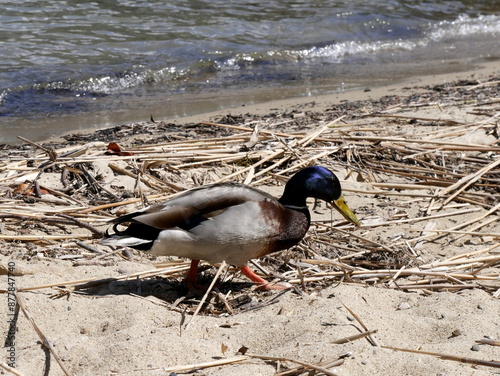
230, 222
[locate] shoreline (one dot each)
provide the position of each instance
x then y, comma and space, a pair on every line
258, 103
321, 102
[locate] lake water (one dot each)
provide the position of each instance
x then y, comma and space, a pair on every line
71, 64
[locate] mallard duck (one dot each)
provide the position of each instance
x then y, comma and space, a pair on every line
230, 221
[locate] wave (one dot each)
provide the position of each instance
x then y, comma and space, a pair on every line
208, 69
465, 25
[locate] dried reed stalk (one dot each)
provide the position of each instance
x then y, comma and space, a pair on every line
303, 364
465, 182
215, 363
222, 266
45, 341
479, 362
486, 341
354, 337
472, 233
301, 369
10, 369
31, 238
371, 339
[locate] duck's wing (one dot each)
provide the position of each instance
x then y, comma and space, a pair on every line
193, 205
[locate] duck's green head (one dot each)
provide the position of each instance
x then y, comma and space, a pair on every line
318, 182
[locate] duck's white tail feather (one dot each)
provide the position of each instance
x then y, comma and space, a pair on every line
123, 241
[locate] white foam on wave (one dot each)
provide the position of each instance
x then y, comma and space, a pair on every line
462, 26
114, 84
465, 25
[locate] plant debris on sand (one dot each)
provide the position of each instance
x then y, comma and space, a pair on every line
421, 170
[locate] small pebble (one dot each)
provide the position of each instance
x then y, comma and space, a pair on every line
456, 333
475, 348
123, 270
480, 306
403, 306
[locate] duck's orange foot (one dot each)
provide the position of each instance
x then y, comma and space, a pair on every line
193, 287
263, 284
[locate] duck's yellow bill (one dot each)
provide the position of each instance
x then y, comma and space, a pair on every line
342, 207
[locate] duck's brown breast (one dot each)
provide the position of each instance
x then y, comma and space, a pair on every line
290, 226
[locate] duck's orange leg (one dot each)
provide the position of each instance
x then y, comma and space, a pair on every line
264, 285
190, 279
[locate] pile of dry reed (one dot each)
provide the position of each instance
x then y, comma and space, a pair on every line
426, 186
415, 170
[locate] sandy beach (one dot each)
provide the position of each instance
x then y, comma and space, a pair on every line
414, 291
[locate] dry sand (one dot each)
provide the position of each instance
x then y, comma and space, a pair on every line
131, 327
